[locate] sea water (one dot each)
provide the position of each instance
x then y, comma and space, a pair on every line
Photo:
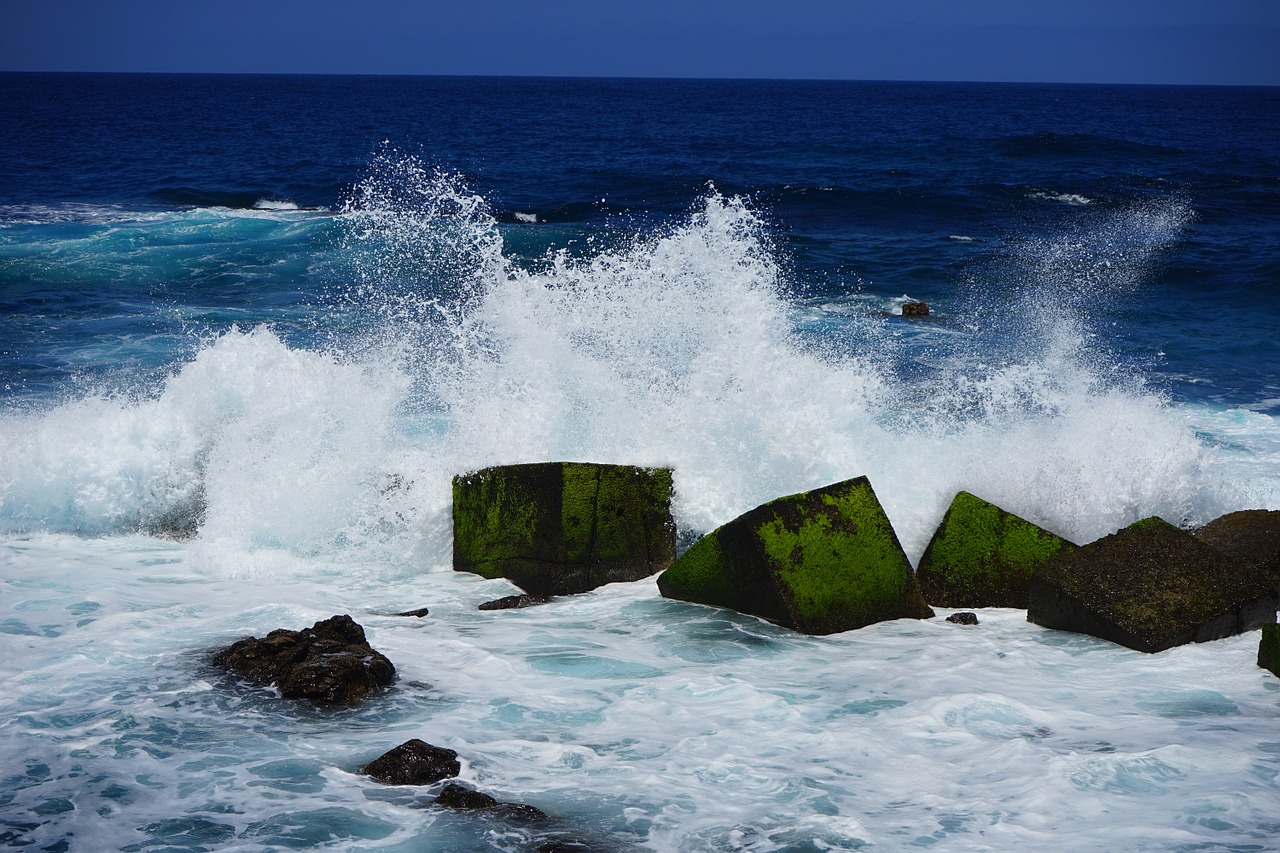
252, 327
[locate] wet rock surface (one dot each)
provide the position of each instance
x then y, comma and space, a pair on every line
414, 762
1151, 586
330, 663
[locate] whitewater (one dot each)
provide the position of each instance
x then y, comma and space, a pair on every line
270, 474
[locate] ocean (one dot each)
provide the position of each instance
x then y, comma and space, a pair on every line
251, 326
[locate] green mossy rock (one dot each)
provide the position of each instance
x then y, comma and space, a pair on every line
1151, 586
557, 528
982, 556
1269, 649
819, 562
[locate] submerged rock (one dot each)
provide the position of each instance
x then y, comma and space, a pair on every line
983, 556
1151, 586
556, 528
819, 562
419, 613
1269, 649
514, 602
414, 762
1251, 535
915, 309
455, 796
330, 663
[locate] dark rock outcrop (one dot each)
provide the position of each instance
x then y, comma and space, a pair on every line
964, 617
414, 762
1151, 586
819, 562
419, 613
1269, 649
455, 796
557, 528
1252, 535
983, 556
514, 602
330, 663
915, 309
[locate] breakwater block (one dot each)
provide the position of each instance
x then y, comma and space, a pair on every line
983, 556
1252, 535
1151, 586
1269, 649
819, 562
557, 528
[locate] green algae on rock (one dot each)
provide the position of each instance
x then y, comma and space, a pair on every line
983, 556
557, 528
820, 562
1151, 586
1269, 649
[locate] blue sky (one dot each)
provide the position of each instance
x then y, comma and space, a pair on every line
1086, 41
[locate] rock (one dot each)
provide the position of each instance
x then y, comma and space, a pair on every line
414, 762
455, 796
330, 663
982, 556
1150, 586
819, 562
964, 617
512, 602
1252, 535
1269, 649
915, 309
557, 528
420, 612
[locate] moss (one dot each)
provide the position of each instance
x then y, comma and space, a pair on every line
841, 564
1269, 649
983, 556
701, 574
495, 518
581, 483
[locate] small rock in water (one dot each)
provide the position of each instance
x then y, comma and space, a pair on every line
512, 602
414, 762
964, 617
330, 663
915, 309
420, 612
455, 796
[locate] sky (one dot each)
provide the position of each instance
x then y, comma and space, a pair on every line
1231, 42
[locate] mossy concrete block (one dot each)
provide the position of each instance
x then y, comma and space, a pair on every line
1151, 586
983, 556
819, 562
1252, 535
1269, 649
557, 528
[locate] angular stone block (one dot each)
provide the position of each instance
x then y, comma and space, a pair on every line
1151, 586
819, 562
1252, 535
557, 528
1269, 649
983, 556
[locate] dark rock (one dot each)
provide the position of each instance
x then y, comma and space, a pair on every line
420, 612
963, 618
414, 762
557, 528
982, 556
915, 309
1269, 649
512, 602
1252, 535
1151, 586
455, 796
819, 562
330, 663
